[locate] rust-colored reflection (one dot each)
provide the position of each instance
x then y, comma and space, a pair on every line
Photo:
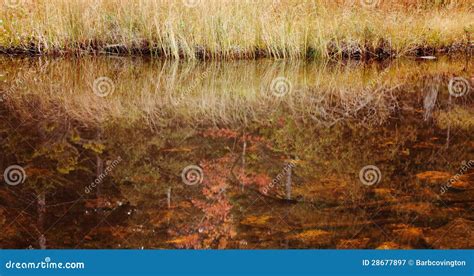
273, 172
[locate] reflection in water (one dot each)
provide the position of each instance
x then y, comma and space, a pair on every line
273, 165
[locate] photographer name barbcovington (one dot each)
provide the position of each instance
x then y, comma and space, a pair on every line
453, 263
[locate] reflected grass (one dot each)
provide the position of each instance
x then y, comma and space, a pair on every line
163, 94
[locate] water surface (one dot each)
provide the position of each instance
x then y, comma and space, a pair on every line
274, 154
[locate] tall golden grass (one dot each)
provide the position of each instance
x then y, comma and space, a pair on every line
237, 29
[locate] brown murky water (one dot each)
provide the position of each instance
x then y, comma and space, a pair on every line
133, 153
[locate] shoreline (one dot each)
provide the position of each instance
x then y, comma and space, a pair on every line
354, 52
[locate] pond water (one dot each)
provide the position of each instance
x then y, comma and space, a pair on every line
112, 152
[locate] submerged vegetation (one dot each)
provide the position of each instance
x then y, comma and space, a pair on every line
238, 29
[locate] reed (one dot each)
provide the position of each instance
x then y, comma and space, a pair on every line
237, 29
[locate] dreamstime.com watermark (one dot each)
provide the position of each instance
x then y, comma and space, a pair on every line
281, 86
466, 165
99, 179
103, 86
14, 175
13, 4
196, 3
46, 264
370, 175
288, 166
192, 175
370, 3
191, 3
188, 90
15, 85
459, 87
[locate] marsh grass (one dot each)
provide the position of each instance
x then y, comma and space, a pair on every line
238, 29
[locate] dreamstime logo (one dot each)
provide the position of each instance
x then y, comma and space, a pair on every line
289, 166
17, 84
47, 263
103, 86
191, 3
100, 178
370, 175
188, 91
192, 175
458, 87
466, 166
14, 175
369, 3
281, 86
13, 3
